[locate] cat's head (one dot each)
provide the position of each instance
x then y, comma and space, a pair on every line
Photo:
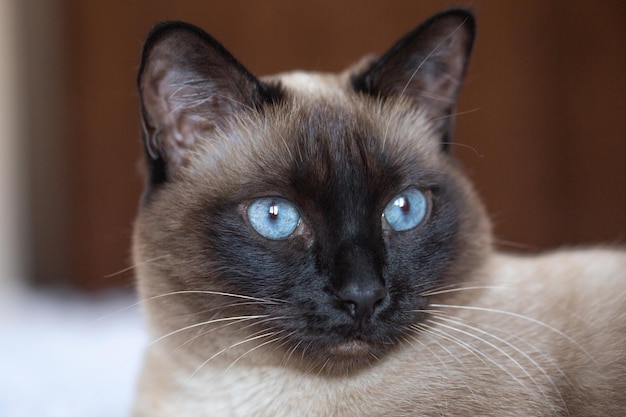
307, 213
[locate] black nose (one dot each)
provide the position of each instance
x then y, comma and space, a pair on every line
362, 298
357, 280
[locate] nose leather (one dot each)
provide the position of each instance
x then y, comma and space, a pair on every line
357, 281
362, 297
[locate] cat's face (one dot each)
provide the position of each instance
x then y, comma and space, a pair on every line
304, 213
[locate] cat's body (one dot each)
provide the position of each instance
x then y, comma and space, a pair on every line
274, 285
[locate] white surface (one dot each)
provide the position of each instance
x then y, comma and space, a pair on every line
63, 355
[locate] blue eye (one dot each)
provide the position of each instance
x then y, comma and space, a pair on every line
406, 211
273, 218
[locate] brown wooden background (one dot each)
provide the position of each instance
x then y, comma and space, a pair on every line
545, 104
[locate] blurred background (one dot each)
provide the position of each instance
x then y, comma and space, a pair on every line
542, 119
541, 128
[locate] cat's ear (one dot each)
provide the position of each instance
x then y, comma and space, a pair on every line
427, 65
189, 86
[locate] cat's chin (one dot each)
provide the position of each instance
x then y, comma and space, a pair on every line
351, 349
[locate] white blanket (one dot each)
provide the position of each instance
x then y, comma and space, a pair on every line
68, 355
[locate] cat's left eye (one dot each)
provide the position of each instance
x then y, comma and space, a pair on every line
273, 218
406, 210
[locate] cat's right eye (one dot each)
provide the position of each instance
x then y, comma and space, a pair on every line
273, 218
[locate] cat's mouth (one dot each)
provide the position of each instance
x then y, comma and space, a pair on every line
353, 349
348, 356
354, 353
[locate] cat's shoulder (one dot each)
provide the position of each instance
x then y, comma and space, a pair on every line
575, 263
591, 279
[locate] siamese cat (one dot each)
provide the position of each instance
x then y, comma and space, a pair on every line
308, 246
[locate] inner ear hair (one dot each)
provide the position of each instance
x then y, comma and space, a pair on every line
189, 85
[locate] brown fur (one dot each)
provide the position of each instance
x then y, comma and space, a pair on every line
508, 335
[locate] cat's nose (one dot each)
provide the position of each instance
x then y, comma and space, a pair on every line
357, 280
362, 298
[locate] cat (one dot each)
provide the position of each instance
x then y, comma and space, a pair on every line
307, 245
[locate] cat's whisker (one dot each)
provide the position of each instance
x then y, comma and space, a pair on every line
147, 300
140, 302
532, 361
227, 324
412, 338
453, 115
255, 336
424, 292
313, 367
208, 292
430, 54
460, 289
136, 265
509, 334
436, 333
515, 245
321, 368
204, 323
291, 351
112, 314
421, 329
547, 358
521, 317
373, 356
463, 145
218, 308
204, 333
429, 95
260, 345
441, 287
276, 318
286, 340
438, 329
